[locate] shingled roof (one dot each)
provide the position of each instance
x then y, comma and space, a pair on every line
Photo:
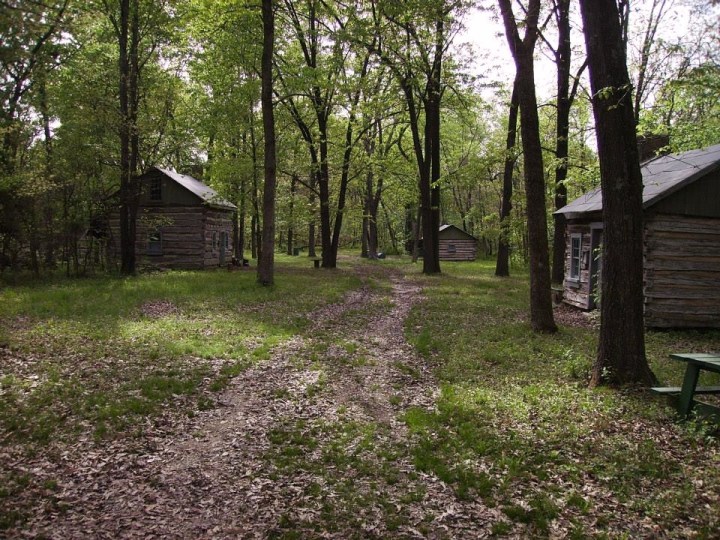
205, 192
662, 176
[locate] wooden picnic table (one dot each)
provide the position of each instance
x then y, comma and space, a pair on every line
695, 363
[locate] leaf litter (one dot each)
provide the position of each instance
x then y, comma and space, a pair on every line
309, 442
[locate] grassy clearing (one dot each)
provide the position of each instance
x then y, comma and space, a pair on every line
108, 352
516, 425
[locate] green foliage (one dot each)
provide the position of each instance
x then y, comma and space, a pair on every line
137, 344
515, 412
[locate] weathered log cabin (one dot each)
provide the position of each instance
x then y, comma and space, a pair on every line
182, 223
456, 245
681, 202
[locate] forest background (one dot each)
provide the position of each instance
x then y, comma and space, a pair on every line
353, 90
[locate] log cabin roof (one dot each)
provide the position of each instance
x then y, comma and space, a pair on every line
452, 228
662, 176
207, 194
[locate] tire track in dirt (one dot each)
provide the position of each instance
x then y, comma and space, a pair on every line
219, 475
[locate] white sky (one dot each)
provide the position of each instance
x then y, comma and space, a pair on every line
492, 61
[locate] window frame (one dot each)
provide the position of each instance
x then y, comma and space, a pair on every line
156, 189
155, 246
575, 267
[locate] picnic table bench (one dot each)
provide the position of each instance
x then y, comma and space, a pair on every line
695, 363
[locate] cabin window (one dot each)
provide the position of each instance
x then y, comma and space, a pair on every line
214, 241
451, 248
154, 243
575, 256
156, 188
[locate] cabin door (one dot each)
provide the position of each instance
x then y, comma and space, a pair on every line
223, 243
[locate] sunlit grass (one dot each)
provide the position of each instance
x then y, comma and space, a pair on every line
516, 421
99, 351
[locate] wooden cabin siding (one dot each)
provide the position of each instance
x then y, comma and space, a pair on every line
577, 293
457, 249
454, 244
182, 240
187, 236
216, 222
172, 194
699, 198
682, 271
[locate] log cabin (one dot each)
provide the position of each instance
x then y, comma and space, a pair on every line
456, 245
182, 223
681, 256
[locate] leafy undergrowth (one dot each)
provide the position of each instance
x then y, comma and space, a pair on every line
516, 425
328, 421
104, 353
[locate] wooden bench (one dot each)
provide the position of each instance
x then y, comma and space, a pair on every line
695, 363
678, 389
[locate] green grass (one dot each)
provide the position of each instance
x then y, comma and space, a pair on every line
515, 419
514, 426
111, 351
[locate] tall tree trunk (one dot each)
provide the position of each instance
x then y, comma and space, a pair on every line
541, 313
240, 239
391, 232
48, 214
127, 241
311, 225
502, 266
291, 224
621, 349
266, 264
364, 232
430, 188
324, 191
254, 236
562, 130
255, 224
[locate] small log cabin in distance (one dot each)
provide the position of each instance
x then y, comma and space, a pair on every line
456, 245
182, 223
681, 202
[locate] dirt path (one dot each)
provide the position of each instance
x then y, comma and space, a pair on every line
309, 444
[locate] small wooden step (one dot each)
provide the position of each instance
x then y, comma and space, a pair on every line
677, 389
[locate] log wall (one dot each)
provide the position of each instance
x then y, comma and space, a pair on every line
458, 250
682, 272
186, 236
215, 222
577, 293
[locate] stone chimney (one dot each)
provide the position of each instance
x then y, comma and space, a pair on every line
650, 145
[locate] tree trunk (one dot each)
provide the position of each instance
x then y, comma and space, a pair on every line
416, 235
127, 241
47, 211
391, 233
621, 349
541, 313
311, 225
266, 264
562, 130
253, 236
241, 222
256, 231
291, 221
502, 266
364, 232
